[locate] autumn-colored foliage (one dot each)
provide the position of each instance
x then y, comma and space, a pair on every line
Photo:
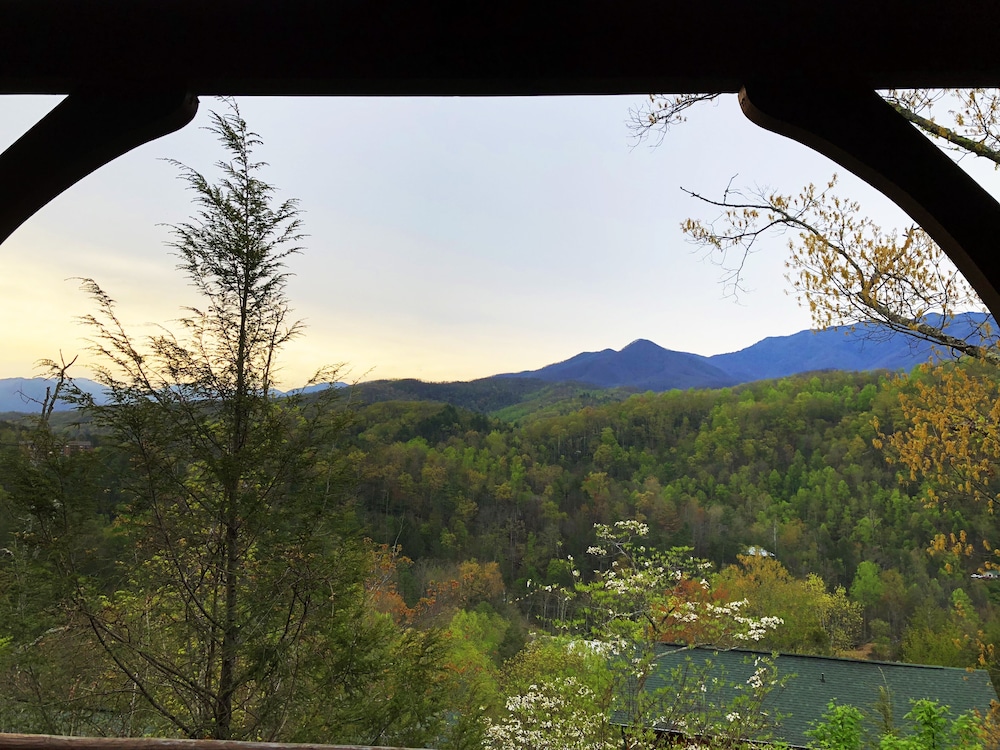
474, 582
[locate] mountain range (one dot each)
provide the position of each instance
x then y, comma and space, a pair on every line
644, 365
640, 366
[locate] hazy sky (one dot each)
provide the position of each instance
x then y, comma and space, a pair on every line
449, 239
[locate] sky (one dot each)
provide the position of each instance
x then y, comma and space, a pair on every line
448, 238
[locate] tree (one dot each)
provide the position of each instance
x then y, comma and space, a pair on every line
557, 693
950, 639
813, 619
226, 525
54, 500
850, 271
238, 610
867, 587
841, 728
930, 726
950, 444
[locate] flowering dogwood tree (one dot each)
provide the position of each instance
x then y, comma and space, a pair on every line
641, 605
556, 714
645, 595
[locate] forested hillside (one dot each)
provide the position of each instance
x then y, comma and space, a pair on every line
788, 466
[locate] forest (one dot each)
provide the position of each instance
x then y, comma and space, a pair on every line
457, 535
200, 556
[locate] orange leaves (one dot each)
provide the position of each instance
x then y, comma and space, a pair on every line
687, 613
951, 443
955, 544
847, 268
474, 582
381, 583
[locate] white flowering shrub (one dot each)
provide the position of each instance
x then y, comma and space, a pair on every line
557, 714
640, 600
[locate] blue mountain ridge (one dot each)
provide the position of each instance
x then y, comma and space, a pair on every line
646, 366
25, 395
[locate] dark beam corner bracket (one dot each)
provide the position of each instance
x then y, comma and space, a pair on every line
857, 129
83, 133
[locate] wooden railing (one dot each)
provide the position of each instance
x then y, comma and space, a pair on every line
55, 742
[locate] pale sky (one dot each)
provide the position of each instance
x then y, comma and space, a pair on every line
449, 239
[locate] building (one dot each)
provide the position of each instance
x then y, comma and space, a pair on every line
875, 687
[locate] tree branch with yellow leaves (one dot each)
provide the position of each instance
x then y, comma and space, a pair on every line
974, 122
844, 267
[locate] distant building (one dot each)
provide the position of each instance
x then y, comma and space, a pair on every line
77, 446
759, 552
989, 575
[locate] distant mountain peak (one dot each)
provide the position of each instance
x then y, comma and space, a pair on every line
642, 364
643, 344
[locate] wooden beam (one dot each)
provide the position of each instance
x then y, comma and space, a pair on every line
499, 48
121, 50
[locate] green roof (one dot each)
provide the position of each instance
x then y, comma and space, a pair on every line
814, 681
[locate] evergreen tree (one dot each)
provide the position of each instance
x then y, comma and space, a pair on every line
230, 529
239, 604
